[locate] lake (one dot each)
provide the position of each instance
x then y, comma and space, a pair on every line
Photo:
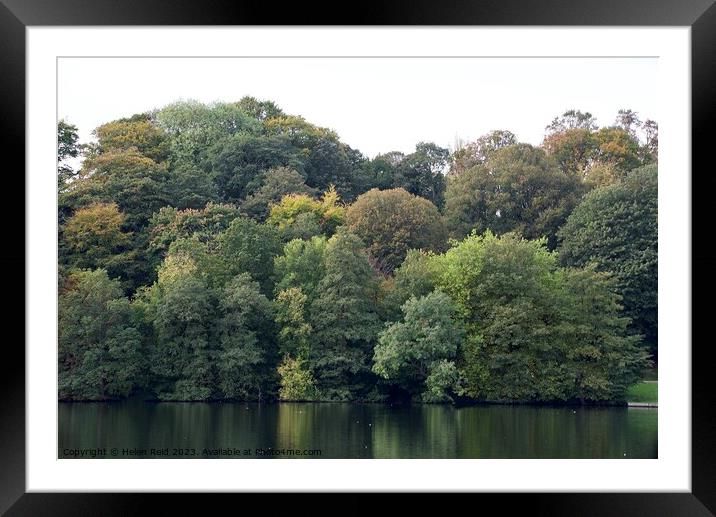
138, 429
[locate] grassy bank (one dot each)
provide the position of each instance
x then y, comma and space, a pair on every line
644, 392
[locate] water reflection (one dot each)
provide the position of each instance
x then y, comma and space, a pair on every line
357, 430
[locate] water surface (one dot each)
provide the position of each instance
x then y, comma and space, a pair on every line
336, 430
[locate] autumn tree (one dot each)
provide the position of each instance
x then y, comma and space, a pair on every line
391, 222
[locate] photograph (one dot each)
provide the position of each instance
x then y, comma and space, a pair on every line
357, 257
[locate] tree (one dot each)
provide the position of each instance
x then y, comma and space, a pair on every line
138, 132
296, 212
616, 229
67, 148
421, 347
572, 119
100, 350
604, 359
416, 277
260, 110
249, 247
478, 152
246, 339
193, 127
628, 120
137, 184
344, 321
169, 225
238, 163
297, 383
573, 149
391, 222
651, 147
276, 184
291, 315
518, 189
421, 172
94, 237
533, 330
618, 148
302, 265
182, 361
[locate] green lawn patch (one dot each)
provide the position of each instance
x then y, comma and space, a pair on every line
644, 392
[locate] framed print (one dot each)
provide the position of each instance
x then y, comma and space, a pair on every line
428, 249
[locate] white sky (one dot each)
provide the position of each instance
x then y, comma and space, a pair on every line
375, 105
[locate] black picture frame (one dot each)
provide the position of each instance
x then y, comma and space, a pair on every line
700, 15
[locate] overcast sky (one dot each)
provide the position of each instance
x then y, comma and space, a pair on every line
375, 105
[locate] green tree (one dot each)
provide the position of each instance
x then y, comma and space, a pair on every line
260, 110
422, 172
182, 359
249, 247
193, 128
169, 225
391, 222
416, 277
302, 265
291, 315
297, 213
344, 320
276, 184
517, 189
478, 152
297, 383
246, 341
100, 350
421, 347
572, 119
616, 228
238, 163
604, 359
67, 147
137, 184
534, 331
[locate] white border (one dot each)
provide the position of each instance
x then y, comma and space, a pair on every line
671, 472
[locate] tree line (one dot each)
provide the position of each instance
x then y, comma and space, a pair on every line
231, 251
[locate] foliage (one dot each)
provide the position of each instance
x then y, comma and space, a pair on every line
421, 172
169, 224
295, 211
193, 127
534, 331
245, 336
245, 285
100, 354
67, 147
421, 347
344, 320
616, 228
249, 247
517, 189
238, 163
138, 133
391, 222
479, 151
297, 383
276, 184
